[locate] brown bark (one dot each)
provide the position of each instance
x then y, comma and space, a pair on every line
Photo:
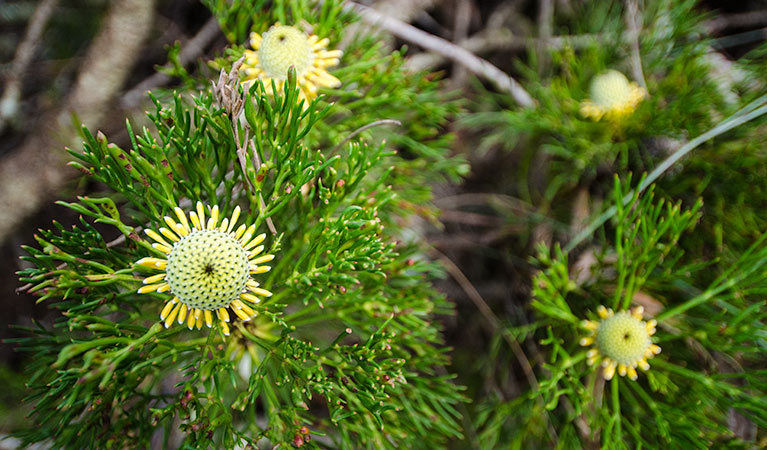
36, 170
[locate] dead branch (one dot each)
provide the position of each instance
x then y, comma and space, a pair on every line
35, 171
190, 51
447, 49
9, 104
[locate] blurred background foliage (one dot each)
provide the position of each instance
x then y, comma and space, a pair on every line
538, 175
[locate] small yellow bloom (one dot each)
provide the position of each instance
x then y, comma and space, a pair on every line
612, 96
284, 46
621, 341
206, 268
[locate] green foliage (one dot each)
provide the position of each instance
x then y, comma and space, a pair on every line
555, 142
345, 354
712, 340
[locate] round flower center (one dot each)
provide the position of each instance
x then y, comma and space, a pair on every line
610, 89
284, 46
623, 338
207, 269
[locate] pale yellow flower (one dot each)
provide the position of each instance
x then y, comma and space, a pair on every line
621, 341
612, 96
284, 46
207, 268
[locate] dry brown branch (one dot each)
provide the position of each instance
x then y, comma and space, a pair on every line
499, 40
190, 51
545, 18
447, 49
461, 23
36, 170
229, 97
633, 20
489, 315
741, 20
9, 104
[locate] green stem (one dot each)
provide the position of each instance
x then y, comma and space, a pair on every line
616, 405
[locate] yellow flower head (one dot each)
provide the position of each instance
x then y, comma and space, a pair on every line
621, 340
207, 268
284, 46
612, 96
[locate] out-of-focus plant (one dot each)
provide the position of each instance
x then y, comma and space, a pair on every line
654, 335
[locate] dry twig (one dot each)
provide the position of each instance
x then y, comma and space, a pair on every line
33, 172
190, 51
9, 104
634, 23
447, 49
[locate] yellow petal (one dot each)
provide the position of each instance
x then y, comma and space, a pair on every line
255, 252
622, 370
163, 287
224, 328
163, 248
241, 314
201, 214
167, 308
255, 40
632, 373
182, 220
154, 278
608, 371
213, 221
223, 314
248, 310
256, 240
153, 234
172, 316
586, 341
148, 288
150, 262
248, 234
262, 259
224, 225
235, 216
190, 320
259, 269
240, 230
182, 313
208, 318
169, 234
195, 220
177, 228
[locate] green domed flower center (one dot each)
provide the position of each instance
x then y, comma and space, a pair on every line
610, 89
207, 269
284, 46
623, 338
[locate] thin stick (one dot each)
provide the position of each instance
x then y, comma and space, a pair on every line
9, 104
633, 22
190, 51
447, 49
360, 130
495, 324
489, 316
